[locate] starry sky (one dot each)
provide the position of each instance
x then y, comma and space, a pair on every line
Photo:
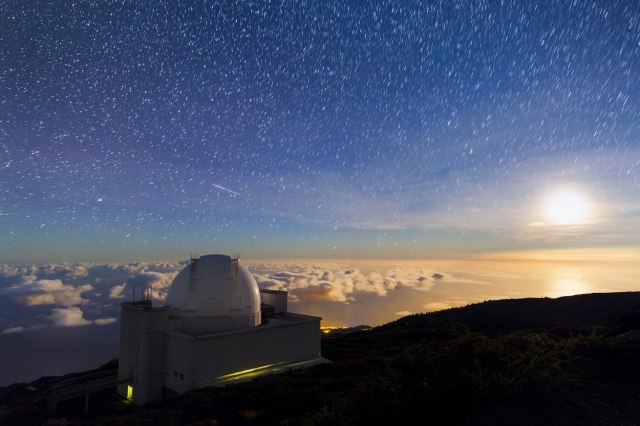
151, 130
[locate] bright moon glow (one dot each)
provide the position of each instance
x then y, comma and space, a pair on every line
566, 208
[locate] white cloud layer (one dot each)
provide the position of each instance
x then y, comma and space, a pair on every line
117, 291
68, 295
55, 292
33, 296
105, 321
338, 283
68, 317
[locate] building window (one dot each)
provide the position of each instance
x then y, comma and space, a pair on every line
129, 392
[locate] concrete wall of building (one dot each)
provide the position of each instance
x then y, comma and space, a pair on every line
179, 359
151, 356
199, 361
142, 351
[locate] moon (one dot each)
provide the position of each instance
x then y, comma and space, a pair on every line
566, 208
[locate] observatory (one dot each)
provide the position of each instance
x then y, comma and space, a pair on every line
216, 328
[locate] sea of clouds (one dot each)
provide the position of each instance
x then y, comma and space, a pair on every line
339, 283
74, 294
80, 294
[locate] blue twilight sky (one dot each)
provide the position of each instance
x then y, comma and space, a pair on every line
148, 130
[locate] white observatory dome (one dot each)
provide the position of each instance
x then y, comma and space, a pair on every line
212, 294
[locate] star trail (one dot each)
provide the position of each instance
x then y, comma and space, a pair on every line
149, 130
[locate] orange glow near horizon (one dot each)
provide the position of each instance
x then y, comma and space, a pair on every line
463, 280
623, 254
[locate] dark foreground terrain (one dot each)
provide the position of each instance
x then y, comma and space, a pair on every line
567, 361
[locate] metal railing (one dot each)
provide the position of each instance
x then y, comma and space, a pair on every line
71, 391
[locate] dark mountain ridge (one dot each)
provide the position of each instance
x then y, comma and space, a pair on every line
508, 315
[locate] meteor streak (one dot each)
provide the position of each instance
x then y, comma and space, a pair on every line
228, 190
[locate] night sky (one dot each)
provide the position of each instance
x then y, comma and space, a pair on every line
151, 130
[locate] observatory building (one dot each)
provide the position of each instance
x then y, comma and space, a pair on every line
216, 328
